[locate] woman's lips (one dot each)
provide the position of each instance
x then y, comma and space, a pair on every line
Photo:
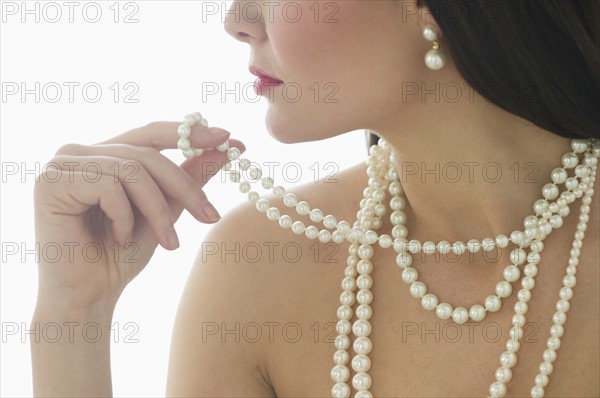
263, 84
264, 81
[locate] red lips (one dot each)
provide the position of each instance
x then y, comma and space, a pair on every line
264, 81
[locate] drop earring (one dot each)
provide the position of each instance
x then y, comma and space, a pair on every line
434, 59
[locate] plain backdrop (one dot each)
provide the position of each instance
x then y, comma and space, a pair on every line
147, 70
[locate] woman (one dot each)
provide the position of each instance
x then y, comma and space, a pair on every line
504, 89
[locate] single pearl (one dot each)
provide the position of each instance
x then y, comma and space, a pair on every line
342, 342
348, 283
498, 389
361, 363
530, 270
562, 306
521, 307
311, 232
364, 296
537, 392
473, 246
316, 215
524, 295
549, 355
559, 175
364, 311
512, 345
273, 213
460, 315
303, 208
267, 183
518, 320
361, 328
444, 311
541, 380
518, 256
550, 191
340, 390
511, 273
503, 289
183, 144
429, 301
298, 227
329, 222
435, 60
347, 298
546, 368
541, 205
477, 312
290, 200
364, 266
340, 373
488, 244
361, 381
385, 241
559, 318
508, 359
233, 153
341, 357
285, 222
365, 251
430, 33
444, 247
458, 248
503, 374
324, 236
409, 275
492, 303
418, 289
364, 281
570, 160
343, 327
403, 260
362, 345
338, 238
501, 241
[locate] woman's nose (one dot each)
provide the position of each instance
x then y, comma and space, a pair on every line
244, 20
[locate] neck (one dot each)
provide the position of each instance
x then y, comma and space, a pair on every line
473, 169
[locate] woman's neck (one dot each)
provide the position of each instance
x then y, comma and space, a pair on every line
471, 168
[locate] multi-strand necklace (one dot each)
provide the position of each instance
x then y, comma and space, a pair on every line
577, 174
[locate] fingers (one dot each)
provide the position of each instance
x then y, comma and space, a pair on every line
152, 166
71, 193
90, 184
164, 135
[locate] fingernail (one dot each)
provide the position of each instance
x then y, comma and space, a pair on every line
220, 133
172, 237
211, 213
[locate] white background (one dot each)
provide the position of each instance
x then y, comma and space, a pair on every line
167, 55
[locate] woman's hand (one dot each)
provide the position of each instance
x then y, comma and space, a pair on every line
104, 208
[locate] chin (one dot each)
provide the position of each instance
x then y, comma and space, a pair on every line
300, 128
286, 130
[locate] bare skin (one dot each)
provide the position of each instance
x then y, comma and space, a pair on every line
407, 360
284, 296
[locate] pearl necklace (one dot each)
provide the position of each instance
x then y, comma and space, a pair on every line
383, 177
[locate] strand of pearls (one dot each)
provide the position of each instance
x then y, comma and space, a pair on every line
549, 213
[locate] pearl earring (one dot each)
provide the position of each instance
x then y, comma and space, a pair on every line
434, 59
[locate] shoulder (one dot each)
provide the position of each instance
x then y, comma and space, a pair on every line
250, 272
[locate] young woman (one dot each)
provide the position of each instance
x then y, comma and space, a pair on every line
506, 93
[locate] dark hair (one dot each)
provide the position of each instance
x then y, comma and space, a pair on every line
537, 59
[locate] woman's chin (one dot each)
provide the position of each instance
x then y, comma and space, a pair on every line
285, 130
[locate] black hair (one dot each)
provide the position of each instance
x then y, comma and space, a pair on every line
537, 59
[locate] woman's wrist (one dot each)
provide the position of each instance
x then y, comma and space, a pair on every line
52, 308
